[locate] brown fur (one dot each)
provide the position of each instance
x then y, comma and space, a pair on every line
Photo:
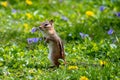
56, 49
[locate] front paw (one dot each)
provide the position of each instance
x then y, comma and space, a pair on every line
46, 39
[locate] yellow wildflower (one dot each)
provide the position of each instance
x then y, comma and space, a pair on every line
5, 3
29, 2
83, 78
72, 67
26, 27
102, 63
29, 16
89, 13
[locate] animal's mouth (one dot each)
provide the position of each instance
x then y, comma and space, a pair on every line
40, 28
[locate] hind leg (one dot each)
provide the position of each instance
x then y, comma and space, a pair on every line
56, 63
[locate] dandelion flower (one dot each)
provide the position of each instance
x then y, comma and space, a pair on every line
72, 67
29, 2
29, 16
89, 13
102, 63
83, 78
26, 29
25, 25
5, 3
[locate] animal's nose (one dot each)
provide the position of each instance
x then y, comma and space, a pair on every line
40, 27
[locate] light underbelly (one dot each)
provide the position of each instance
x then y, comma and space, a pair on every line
53, 50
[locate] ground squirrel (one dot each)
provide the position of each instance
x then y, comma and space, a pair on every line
55, 44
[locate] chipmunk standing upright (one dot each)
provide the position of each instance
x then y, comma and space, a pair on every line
55, 45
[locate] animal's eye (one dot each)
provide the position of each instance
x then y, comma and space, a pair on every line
45, 24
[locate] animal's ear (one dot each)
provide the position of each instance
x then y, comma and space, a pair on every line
51, 21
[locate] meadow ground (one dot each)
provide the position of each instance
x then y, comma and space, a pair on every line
90, 30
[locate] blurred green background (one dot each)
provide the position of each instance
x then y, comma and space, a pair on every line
90, 30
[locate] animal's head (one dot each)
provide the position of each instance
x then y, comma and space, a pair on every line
47, 27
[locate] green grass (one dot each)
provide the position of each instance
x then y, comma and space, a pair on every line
97, 57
